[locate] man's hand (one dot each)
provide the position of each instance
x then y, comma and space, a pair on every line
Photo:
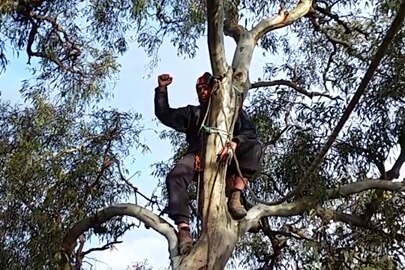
164, 80
226, 152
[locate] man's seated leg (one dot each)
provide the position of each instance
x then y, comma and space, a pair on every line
177, 182
185, 239
249, 156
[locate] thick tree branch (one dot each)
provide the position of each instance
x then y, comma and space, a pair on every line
395, 170
231, 26
70, 49
233, 30
361, 186
150, 219
216, 47
354, 220
283, 19
301, 205
291, 85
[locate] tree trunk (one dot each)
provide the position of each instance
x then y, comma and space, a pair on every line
220, 232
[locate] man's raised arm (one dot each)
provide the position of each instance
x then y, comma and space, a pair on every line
175, 118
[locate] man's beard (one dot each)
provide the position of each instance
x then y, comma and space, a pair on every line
203, 101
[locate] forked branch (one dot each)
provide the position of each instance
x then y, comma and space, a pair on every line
284, 18
304, 204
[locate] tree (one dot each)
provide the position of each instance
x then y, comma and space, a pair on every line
322, 167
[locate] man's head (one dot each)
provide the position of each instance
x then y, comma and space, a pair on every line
203, 87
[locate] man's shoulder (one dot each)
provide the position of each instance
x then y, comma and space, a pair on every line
189, 108
193, 107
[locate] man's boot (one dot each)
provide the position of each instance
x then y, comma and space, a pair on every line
235, 207
185, 241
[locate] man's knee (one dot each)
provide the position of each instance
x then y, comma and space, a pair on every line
182, 173
178, 219
250, 158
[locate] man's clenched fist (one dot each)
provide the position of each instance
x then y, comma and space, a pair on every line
164, 80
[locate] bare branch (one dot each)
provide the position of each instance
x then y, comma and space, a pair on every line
149, 218
301, 205
215, 18
336, 41
105, 247
291, 85
151, 201
283, 19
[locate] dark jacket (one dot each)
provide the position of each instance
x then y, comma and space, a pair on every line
189, 119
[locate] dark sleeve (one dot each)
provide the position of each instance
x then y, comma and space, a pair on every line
244, 129
178, 119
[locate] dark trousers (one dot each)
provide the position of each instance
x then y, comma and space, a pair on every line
249, 156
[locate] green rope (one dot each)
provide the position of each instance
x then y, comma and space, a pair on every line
212, 130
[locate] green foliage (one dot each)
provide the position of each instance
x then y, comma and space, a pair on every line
57, 167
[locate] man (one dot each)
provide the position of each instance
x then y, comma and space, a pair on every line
188, 120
